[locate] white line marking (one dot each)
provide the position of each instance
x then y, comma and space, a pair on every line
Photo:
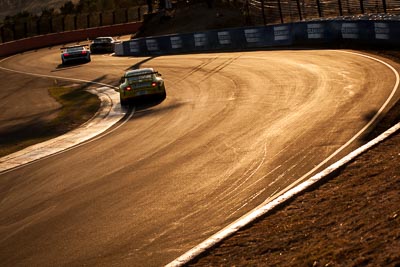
108, 115
295, 188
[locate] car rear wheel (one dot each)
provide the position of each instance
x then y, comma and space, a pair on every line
123, 102
163, 95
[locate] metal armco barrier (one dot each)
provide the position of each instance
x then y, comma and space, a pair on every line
311, 33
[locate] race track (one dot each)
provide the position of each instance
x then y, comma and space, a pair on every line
235, 129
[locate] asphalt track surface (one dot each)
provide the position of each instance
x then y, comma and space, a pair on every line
235, 129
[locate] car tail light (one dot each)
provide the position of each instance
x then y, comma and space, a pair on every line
154, 84
128, 88
66, 55
84, 52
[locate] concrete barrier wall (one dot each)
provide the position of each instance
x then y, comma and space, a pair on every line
40, 41
322, 33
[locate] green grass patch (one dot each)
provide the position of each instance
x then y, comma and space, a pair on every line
77, 107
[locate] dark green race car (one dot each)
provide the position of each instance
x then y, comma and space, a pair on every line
140, 84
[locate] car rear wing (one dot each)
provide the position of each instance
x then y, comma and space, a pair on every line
72, 46
139, 74
142, 73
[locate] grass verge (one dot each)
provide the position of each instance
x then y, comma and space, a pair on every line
77, 107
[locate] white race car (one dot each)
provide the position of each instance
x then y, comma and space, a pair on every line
75, 53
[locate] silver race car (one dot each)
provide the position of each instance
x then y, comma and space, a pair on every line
103, 45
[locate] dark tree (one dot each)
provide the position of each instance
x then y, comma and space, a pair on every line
68, 8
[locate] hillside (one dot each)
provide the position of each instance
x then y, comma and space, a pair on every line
12, 7
350, 220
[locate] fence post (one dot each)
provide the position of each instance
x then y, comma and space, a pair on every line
38, 26
384, 6
2, 34
101, 19
88, 21
63, 23
280, 10
340, 8
263, 12
299, 10
362, 6
25, 29
113, 17
139, 14
126, 15
14, 33
51, 24
319, 9
76, 22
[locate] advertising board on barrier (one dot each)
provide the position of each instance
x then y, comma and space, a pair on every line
302, 33
152, 45
382, 30
315, 31
200, 39
224, 38
350, 31
252, 35
281, 33
176, 42
134, 47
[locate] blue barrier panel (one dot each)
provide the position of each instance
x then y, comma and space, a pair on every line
386, 33
394, 32
356, 32
136, 47
125, 46
255, 37
152, 46
282, 35
175, 44
188, 42
238, 39
164, 45
201, 41
225, 40
333, 32
309, 33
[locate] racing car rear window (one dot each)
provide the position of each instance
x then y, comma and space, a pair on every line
102, 40
74, 49
139, 78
